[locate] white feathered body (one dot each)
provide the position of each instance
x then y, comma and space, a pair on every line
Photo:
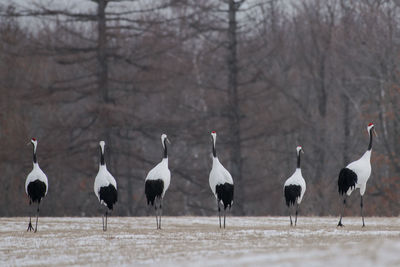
103, 179
362, 168
297, 179
36, 174
218, 175
161, 171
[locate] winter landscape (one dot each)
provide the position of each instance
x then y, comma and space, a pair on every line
178, 106
198, 241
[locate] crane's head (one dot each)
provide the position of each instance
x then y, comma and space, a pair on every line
299, 149
214, 136
164, 138
371, 128
102, 144
33, 142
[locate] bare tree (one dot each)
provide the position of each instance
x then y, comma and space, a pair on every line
266, 75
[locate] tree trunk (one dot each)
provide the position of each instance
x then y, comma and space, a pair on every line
102, 79
346, 127
102, 51
234, 108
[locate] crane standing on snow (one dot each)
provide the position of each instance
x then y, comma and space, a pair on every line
294, 188
221, 182
356, 175
35, 185
105, 186
157, 182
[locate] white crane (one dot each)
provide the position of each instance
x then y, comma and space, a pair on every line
105, 186
356, 175
294, 187
36, 185
221, 182
157, 182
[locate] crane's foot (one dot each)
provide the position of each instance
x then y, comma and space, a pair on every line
30, 227
340, 224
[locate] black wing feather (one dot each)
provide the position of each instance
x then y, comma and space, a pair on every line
347, 179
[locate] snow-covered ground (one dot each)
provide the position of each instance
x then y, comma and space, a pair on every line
198, 241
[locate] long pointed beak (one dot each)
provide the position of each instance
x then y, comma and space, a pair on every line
375, 132
28, 143
302, 151
169, 142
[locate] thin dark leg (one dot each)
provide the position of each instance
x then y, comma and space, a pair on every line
297, 211
290, 216
341, 214
224, 216
102, 218
219, 214
106, 219
155, 207
159, 225
30, 228
37, 216
362, 215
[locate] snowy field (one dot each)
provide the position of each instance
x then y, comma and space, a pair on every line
247, 241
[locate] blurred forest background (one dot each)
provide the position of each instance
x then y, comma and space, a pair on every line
266, 75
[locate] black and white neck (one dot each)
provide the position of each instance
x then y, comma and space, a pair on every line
165, 149
370, 132
214, 139
298, 160
102, 160
34, 144
164, 140
299, 149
